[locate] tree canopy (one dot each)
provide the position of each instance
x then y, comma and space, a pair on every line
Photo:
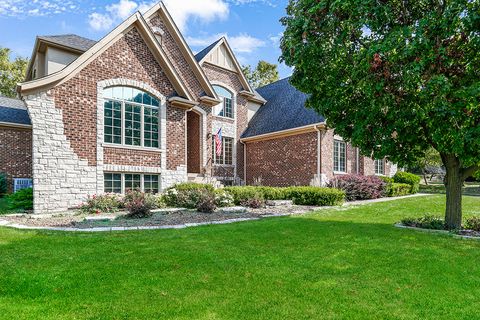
11, 72
265, 73
394, 78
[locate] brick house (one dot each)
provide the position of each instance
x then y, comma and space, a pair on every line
138, 109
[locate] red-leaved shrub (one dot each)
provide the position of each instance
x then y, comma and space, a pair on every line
357, 187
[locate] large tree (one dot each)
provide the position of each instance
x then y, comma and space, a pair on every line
265, 73
394, 78
11, 72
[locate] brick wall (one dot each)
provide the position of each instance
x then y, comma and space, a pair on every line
285, 161
230, 80
15, 153
128, 58
176, 121
131, 157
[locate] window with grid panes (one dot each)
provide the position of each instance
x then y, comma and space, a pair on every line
131, 117
339, 156
226, 157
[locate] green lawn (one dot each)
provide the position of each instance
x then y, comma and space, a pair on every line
335, 264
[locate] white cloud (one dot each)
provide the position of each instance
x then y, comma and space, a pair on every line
203, 11
242, 43
21, 8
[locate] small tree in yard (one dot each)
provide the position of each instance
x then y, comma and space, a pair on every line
431, 160
394, 78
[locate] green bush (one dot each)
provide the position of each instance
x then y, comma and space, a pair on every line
106, 203
425, 222
242, 194
408, 178
315, 196
398, 189
473, 223
223, 198
255, 202
21, 200
3, 185
300, 195
188, 186
386, 179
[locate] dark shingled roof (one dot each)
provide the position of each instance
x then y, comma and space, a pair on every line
199, 56
285, 109
70, 40
13, 111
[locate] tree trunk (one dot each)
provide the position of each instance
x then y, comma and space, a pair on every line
453, 185
425, 177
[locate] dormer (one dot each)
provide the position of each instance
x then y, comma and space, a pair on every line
53, 53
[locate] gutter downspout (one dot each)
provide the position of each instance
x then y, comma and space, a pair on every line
319, 154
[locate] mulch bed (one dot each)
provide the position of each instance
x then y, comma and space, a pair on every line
169, 218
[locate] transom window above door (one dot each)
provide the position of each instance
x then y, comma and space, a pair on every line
225, 108
131, 117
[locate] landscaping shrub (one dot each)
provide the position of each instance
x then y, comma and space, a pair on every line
139, 204
315, 196
242, 194
223, 198
358, 187
3, 185
425, 222
256, 201
188, 186
398, 189
473, 224
21, 200
408, 178
206, 202
386, 179
107, 203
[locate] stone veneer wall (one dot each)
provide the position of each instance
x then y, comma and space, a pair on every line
61, 179
15, 153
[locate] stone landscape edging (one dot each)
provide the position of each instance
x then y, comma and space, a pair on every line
445, 232
5, 223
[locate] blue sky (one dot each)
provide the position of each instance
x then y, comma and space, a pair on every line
251, 26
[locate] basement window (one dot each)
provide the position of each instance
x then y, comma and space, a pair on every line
121, 183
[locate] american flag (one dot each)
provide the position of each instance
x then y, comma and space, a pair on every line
218, 142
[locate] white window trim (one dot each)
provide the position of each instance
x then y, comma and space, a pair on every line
214, 158
383, 166
334, 150
234, 100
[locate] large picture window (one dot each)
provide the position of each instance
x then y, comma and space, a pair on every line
226, 158
380, 167
225, 108
123, 182
131, 117
339, 156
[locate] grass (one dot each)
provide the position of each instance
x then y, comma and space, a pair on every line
348, 263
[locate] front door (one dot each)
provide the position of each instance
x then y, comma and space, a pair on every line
193, 142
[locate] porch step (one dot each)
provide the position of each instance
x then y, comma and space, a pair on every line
200, 178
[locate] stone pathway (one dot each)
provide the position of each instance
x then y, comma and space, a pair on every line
265, 213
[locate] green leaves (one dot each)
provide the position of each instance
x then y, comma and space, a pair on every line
378, 69
11, 72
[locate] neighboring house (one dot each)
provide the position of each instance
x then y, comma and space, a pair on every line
138, 109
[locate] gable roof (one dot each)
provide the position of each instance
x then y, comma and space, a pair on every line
202, 54
285, 109
13, 111
187, 52
76, 66
215, 45
72, 41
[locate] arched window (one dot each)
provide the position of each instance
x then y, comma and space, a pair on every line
131, 117
225, 108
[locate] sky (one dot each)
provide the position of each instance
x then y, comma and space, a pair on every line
252, 27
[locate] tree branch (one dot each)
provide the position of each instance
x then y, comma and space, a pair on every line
467, 172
